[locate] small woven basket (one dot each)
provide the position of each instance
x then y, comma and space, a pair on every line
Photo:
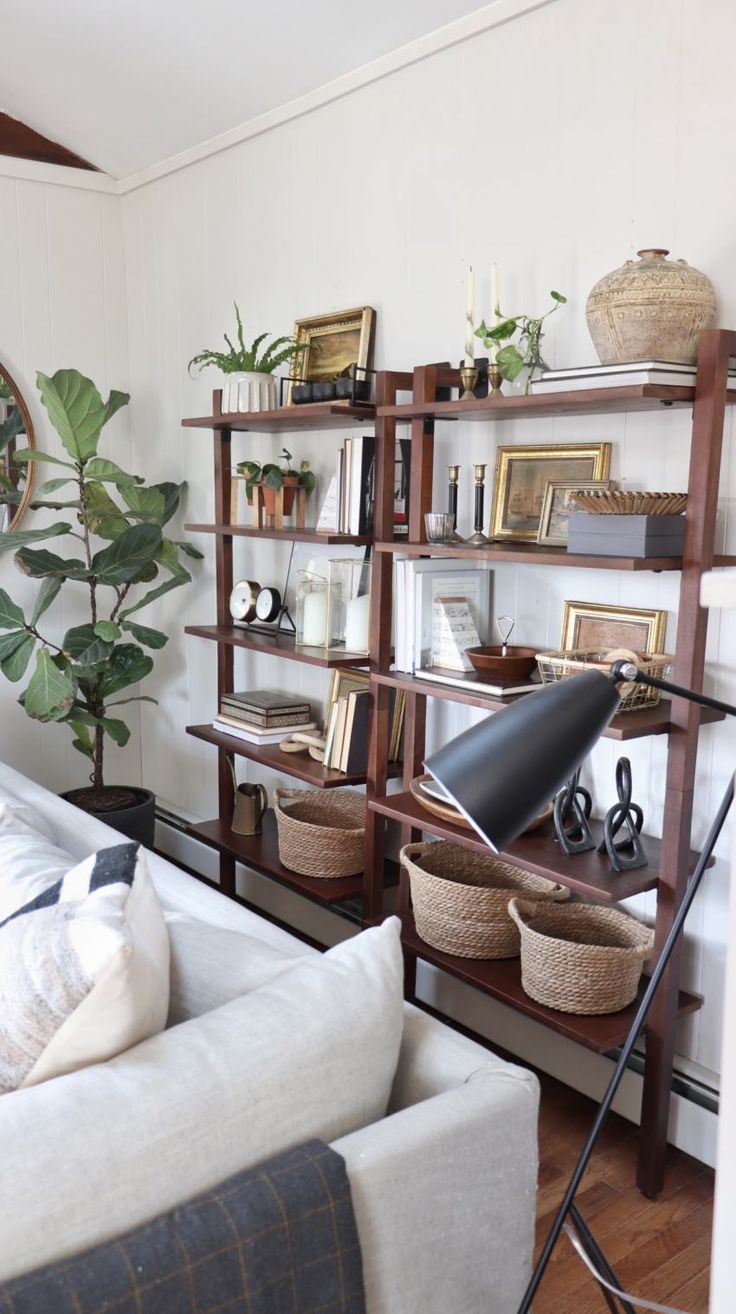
461, 899
555, 666
321, 833
580, 959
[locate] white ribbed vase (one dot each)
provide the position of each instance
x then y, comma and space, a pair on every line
248, 391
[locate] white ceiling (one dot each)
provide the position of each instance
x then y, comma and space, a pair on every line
127, 84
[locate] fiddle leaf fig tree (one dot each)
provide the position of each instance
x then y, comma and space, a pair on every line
118, 527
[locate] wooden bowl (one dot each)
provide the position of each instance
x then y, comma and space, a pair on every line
518, 663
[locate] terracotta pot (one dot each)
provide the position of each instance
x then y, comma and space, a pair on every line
650, 309
291, 483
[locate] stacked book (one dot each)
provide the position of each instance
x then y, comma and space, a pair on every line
421, 587
621, 375
346, 738
348, 506
262, 716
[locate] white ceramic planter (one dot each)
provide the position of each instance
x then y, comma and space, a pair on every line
248, 391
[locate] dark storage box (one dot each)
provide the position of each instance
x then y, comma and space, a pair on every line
625, 536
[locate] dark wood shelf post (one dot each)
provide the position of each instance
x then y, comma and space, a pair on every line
716, 346
225, 653
388, 384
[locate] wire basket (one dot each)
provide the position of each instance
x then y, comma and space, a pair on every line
580, 958
555, 666
461, 899
320, 836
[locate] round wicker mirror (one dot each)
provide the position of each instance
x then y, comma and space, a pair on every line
16, 432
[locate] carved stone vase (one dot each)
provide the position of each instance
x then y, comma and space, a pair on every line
650, 309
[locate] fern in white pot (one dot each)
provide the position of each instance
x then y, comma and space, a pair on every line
249, 382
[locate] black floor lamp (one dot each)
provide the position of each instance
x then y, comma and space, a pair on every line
540, 741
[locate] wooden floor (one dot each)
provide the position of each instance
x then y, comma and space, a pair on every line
660, 1249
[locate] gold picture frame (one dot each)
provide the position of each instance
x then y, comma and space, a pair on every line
333, 342
344, 681
600, 627
522, 475
556, 508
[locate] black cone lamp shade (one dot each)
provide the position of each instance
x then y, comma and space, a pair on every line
502, 772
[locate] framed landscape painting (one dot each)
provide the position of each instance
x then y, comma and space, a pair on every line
334, 341
599, 627
522, 475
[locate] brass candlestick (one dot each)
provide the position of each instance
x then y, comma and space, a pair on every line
469, 378
478, 538
453, 475
494, 379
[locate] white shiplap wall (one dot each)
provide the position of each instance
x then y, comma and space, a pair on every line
586, 146
62, 304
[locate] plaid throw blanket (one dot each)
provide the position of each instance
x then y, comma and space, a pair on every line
278, 1239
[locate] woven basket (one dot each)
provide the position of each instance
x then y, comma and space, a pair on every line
320, 834
580, 959
461, 899
555, 666
612, 503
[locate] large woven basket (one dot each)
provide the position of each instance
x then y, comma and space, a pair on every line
321, 833
461, 899
580, 959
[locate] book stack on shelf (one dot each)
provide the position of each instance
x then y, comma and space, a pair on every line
621, 375
422, 588
262, 716
346, 738
348, 506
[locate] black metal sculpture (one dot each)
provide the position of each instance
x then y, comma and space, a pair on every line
573, 806
627, 853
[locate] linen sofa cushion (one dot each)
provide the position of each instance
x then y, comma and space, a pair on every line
210, 965
310, 1054
29, 859
84, 969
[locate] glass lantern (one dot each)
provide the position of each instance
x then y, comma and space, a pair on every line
311, 610
349, 604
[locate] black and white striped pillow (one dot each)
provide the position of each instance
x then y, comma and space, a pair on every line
84, 969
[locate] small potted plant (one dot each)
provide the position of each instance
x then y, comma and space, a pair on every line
269, 478
511, 360
249, 383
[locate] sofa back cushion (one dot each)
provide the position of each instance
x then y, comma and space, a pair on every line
211, 965
311, 1053
30, 861
84, 969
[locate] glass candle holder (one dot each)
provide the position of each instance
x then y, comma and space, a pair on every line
311, 610
349, 604
439, 526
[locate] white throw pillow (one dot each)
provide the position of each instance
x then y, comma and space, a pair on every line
312, 1053
84, 969
210, 965
29, 859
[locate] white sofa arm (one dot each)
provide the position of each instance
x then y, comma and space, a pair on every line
444, 1196
434, 1058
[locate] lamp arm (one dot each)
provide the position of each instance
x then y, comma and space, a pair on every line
626, 672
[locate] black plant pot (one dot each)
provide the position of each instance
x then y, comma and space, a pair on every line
135, 819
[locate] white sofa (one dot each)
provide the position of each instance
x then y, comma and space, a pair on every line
443, 1187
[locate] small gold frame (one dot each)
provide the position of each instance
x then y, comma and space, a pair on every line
550, 506
638, 628
333, 341
592, 462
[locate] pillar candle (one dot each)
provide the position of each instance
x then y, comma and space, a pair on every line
470, 320
314, 624
357, 623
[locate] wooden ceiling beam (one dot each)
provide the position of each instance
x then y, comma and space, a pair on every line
24, 143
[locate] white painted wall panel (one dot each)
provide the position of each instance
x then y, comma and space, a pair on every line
63, 304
